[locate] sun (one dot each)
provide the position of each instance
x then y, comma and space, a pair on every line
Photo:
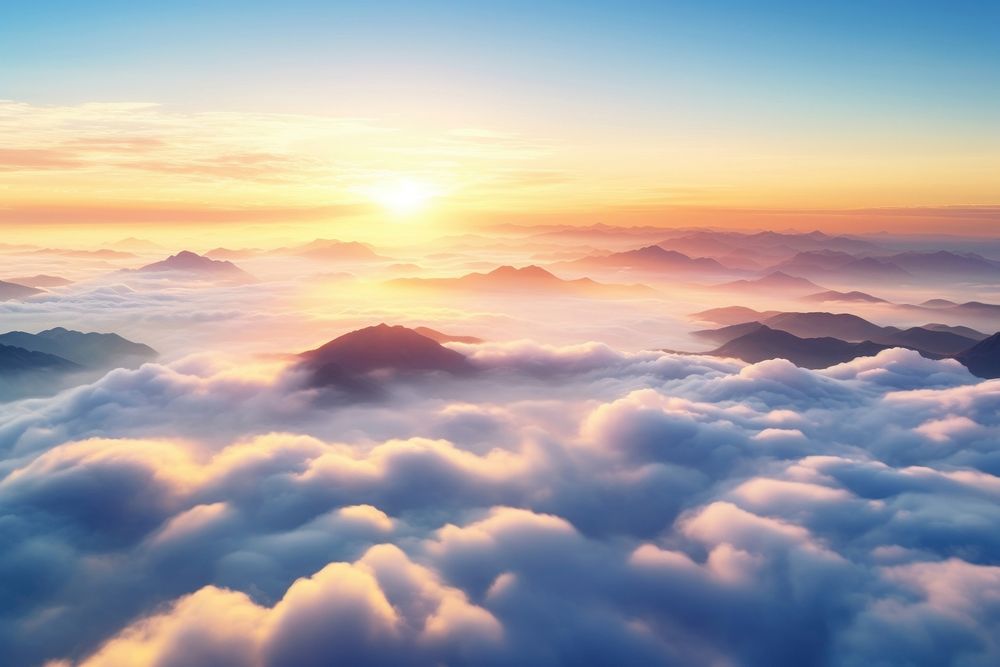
404, 197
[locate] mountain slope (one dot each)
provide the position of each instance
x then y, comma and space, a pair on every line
440, 337
16, 290
777, 281
766, 343
19, 360
652, 259
393, 349
90, 350
194, 264
525, 279
852, 297
983, 358
850, 328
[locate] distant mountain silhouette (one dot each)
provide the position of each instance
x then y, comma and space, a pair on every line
194, 264
772, 245
972, 308
839, 325
938, 303
968, 332
349, 361
526, 279
733, 315
19, 360
946, 264
333, 250
16, 291
983, 358
945, 343
833, 264
776, 281
86, 350
766, 343
849, 328
833, 295
728, 333
439, 337
653, 259
42, 280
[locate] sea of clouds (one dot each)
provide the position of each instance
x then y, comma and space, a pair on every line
566, 506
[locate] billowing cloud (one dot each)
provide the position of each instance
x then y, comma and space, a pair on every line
574, 505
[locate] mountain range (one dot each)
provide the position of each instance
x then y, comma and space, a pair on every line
650, 259
766, 343
85, 350
849, 328
525, 279
776, 281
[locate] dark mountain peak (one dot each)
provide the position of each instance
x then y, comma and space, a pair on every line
938, 303
380, 348
15, 359
766, 343
983, 358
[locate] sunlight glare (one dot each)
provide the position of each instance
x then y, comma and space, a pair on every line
403, 197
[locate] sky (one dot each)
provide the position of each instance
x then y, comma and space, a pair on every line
445, 116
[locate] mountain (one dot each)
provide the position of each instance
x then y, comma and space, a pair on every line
195, 264
525, 279
726, 334
938, 303
839, 325
733, 315
87, 350
852, 297
766, 343
983, 358
19, 360
652, 259
42, 280
946, 264
775, 281
439, 337
945, 343
968, 332
770, 245
16, 290
849, 328
346, 361
969, 308
833, 264
333, 250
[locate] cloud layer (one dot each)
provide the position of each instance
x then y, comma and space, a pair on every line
568, 506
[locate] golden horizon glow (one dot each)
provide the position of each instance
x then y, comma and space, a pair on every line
404, 197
